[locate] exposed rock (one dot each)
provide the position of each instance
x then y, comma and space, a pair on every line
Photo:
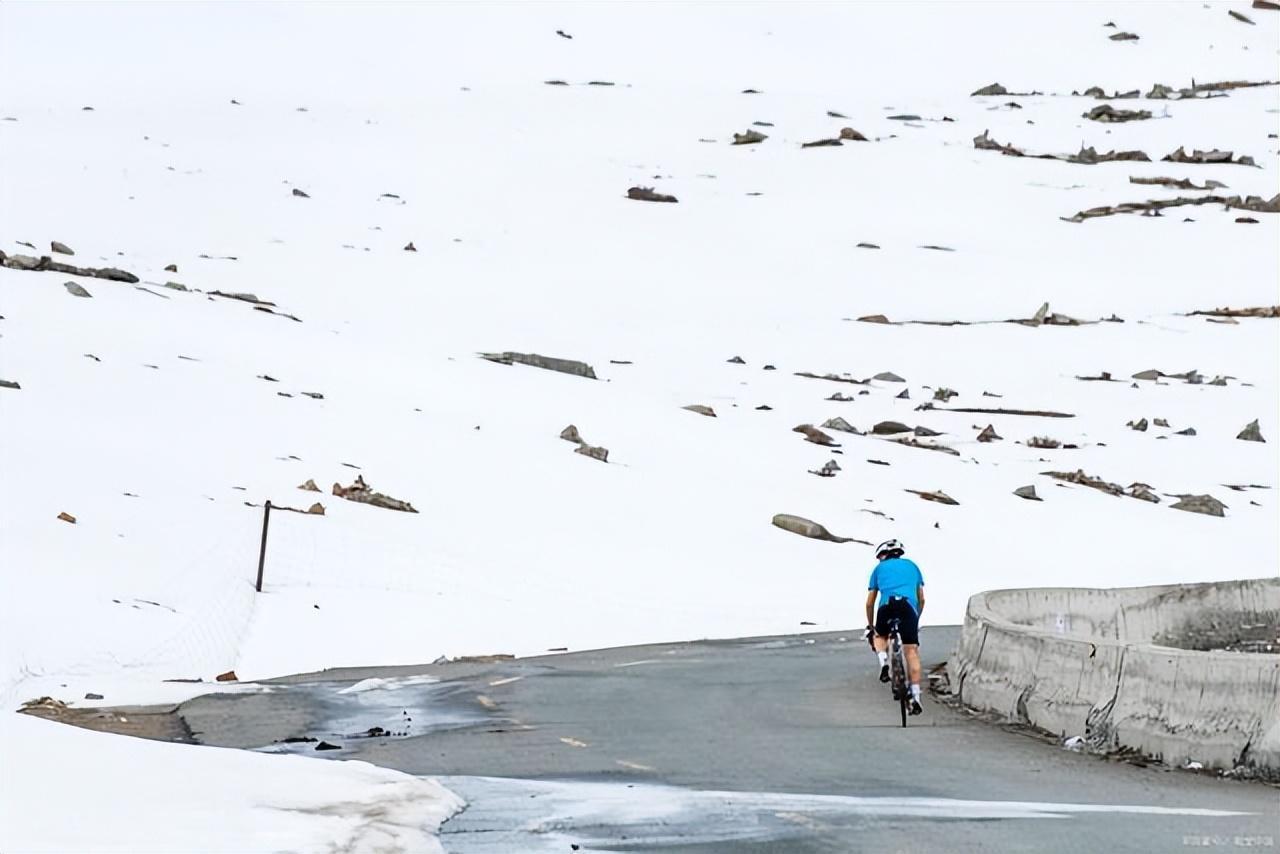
229, 676
1205, 504
176, 286
316, 509
835, 378
1027, 492
700, 409
868, 246
979, 410
75, 290
570, 434
324, 745
821, 143
1240, 16
314, 395
988, 434
1142, 492
769, 368
240, 297
1087, 155
903, 395
45, 263
888, 377
61, 248
1251, 432
889, 428
1107, 113
300, 194
808, 528
1105, 377
1160, 422
912, 442
878, 462
1124, 37
1176, 183
1154, 206
764, 407
648, 194
409, 247
9, 384
592, 451
829, 469
841, 425
67, 517
1255, 311
922, 430
1266, 4
939, 496
1043, 442
991, 89
873, 318
1083, 479
750, 137
309, 486
1190, 431
813, 434
361, 493
1212, 156
836, 115
737, 360
1140, 425
550, 363
937, 248
840, 397
92, 696
944, 394
851, 135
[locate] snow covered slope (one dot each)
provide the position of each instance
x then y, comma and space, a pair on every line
143, 412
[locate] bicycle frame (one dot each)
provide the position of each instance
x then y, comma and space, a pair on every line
898, 669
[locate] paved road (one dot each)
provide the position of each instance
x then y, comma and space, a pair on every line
756, 745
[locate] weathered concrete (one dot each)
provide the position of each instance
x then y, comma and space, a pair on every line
1101, 664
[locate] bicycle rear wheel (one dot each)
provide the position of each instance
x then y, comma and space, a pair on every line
902, 706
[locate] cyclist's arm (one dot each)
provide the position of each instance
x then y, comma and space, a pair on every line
871, 606
920, 599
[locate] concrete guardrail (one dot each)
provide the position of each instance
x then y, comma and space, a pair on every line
1105, 665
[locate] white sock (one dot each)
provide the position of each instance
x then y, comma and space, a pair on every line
915, 691
884, 658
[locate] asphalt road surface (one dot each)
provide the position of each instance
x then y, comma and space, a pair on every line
785, 744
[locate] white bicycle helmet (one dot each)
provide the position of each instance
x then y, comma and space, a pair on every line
888, 549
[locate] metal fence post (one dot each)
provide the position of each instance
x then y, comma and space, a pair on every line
262, 553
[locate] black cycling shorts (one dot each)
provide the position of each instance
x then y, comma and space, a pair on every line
908, 622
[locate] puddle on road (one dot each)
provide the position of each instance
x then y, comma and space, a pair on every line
348, 713
533, 816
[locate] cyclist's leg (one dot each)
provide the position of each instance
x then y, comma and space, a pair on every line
910, 626
881, 640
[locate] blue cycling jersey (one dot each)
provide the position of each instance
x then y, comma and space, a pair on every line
897, 576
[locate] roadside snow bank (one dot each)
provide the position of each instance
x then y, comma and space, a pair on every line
69, 789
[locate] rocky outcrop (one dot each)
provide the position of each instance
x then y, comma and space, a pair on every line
840, 424
309, 486
700, 409
808, 528
1254, 311
989, 434
60, 248
648, 194
1154, 206
937, 496
1213, 156
45, 263
1087, 155
549, 363
361, 493
76, 290
1107, 113
571, 434
1206, 504
1028, 492
749, 137
889, 428
813, 434
1251, 432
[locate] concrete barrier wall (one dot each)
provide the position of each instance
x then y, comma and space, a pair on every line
1081, 662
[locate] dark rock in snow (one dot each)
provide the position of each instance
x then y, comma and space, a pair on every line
1205, 504
888, 428
550, 363
61, 248
700, 409
300, 194
648, 194
1027, 492
76, 290
1251, 432
808, 528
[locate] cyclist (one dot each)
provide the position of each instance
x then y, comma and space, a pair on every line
900, 587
